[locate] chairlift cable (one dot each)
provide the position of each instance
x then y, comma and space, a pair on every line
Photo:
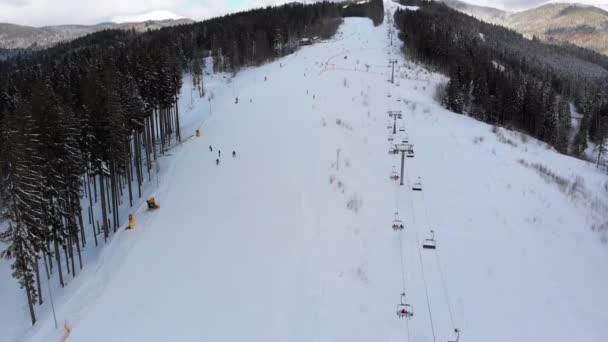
441, 273
426, 290
401, 258
445, 290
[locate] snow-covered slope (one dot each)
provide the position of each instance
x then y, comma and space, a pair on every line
291, 240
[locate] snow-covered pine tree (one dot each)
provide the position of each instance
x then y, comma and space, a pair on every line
454, 100
563, 124
277, 43
22, 200
602, 141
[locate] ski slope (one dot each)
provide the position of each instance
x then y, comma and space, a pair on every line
292, 240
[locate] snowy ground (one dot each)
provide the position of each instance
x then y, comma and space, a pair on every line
292, 240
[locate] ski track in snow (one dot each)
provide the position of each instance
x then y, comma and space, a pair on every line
292, 240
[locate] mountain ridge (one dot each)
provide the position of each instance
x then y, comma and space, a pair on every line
583, 25
14, 36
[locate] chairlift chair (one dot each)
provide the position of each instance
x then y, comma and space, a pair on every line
397, 223
404, 310
393, 150
394, 175
391, 138
430, 243
457, 332
402, 128
417, 185
410, 153
405, 139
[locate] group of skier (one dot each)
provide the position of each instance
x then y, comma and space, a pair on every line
219, 154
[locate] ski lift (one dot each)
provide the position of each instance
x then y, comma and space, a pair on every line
417, 185
404, 310
394, 175
402, 128
397, 223
457, 332
405, 139
430, 243
410, 152
393, 150
391, 138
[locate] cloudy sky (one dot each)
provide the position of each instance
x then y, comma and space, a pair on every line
55, 12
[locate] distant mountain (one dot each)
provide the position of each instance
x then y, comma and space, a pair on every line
582, 25
578, 24
26, 37
487, 14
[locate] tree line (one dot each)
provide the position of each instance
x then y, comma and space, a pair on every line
83, 123
499, 77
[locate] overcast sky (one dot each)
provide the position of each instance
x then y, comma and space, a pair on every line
55, 12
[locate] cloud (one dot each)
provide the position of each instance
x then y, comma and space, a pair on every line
56, 12
154, 15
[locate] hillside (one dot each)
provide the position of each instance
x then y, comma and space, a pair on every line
578, 24
292, 239
488, 14
23, 37
585, 26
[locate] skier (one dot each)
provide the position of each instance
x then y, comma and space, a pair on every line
236, 100
217, 162
210, 148
219, 153
233, 154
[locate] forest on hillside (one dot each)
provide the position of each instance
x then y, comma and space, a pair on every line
498, 76
85, 121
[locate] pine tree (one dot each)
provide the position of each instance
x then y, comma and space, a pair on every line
602, 143
480, 95
22, 200
454, 100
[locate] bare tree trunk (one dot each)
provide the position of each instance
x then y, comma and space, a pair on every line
30, 303
138, 165
95, 188
104, 215
36, 266
178, 129
48, 248
71, 251
66, 257
130, 174
58, 256
153, 134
